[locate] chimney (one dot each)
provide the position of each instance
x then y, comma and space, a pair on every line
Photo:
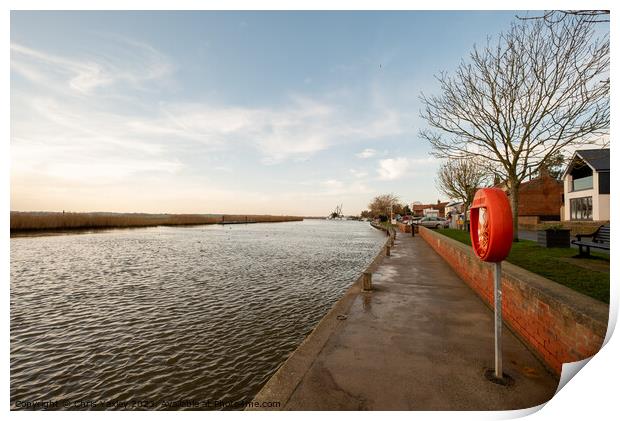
543, 171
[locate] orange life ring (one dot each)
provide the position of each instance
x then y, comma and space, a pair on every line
491, 225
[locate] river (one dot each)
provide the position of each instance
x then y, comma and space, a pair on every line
172, 317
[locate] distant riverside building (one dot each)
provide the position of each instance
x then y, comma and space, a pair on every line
454, 208
586, 186
439, 208
454, 211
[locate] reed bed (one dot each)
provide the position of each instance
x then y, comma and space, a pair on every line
258, 218
33, 221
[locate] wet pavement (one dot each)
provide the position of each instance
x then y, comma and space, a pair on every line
421, 340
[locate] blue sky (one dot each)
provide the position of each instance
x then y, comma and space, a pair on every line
227, 112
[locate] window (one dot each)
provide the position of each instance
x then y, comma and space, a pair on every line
583, 183
581, 208
603, 182
582, 175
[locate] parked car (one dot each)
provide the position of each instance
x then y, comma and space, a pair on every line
433, 222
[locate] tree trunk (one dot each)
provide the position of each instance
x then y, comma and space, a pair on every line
514, 204
465, 218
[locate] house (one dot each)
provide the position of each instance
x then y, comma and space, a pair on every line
438, 209
454, 208
454, 212
586, 186
540, 198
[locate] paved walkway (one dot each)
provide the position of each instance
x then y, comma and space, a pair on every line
421, 340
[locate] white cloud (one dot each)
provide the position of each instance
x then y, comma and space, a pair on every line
358, 173
294, 131
393, 168
396, 168
333, 184
70, 140
366, 153
128, 61
333, 187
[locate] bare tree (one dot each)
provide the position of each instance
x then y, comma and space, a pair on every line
554, 166
382, 204
516, 103
557, 16
461, 178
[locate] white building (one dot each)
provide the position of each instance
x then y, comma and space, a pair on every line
586, 186
453, 213
454, 208
431, 212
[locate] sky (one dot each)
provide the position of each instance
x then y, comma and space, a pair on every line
228, 112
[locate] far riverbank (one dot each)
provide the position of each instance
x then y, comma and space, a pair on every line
34, 222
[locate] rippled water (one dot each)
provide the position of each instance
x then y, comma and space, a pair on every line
172, 313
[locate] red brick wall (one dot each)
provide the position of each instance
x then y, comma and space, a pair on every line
556, 323
541, 197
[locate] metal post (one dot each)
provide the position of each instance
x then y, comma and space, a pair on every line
498, 320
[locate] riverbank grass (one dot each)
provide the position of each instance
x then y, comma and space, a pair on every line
42, 221
589, 276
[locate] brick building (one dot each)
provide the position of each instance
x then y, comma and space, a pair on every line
540, 198
418, 209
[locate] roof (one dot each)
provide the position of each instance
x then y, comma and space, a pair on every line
540, 179
597, 159
437, 206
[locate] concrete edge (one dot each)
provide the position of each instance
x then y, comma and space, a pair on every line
283, 383
585, 309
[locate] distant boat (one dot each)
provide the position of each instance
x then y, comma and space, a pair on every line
336, 215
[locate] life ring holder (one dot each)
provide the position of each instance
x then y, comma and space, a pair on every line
491, 225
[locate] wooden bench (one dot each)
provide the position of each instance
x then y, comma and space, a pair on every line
600, 240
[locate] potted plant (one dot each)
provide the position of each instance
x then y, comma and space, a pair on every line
556, 235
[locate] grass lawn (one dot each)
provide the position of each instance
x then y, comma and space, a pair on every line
589, 276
